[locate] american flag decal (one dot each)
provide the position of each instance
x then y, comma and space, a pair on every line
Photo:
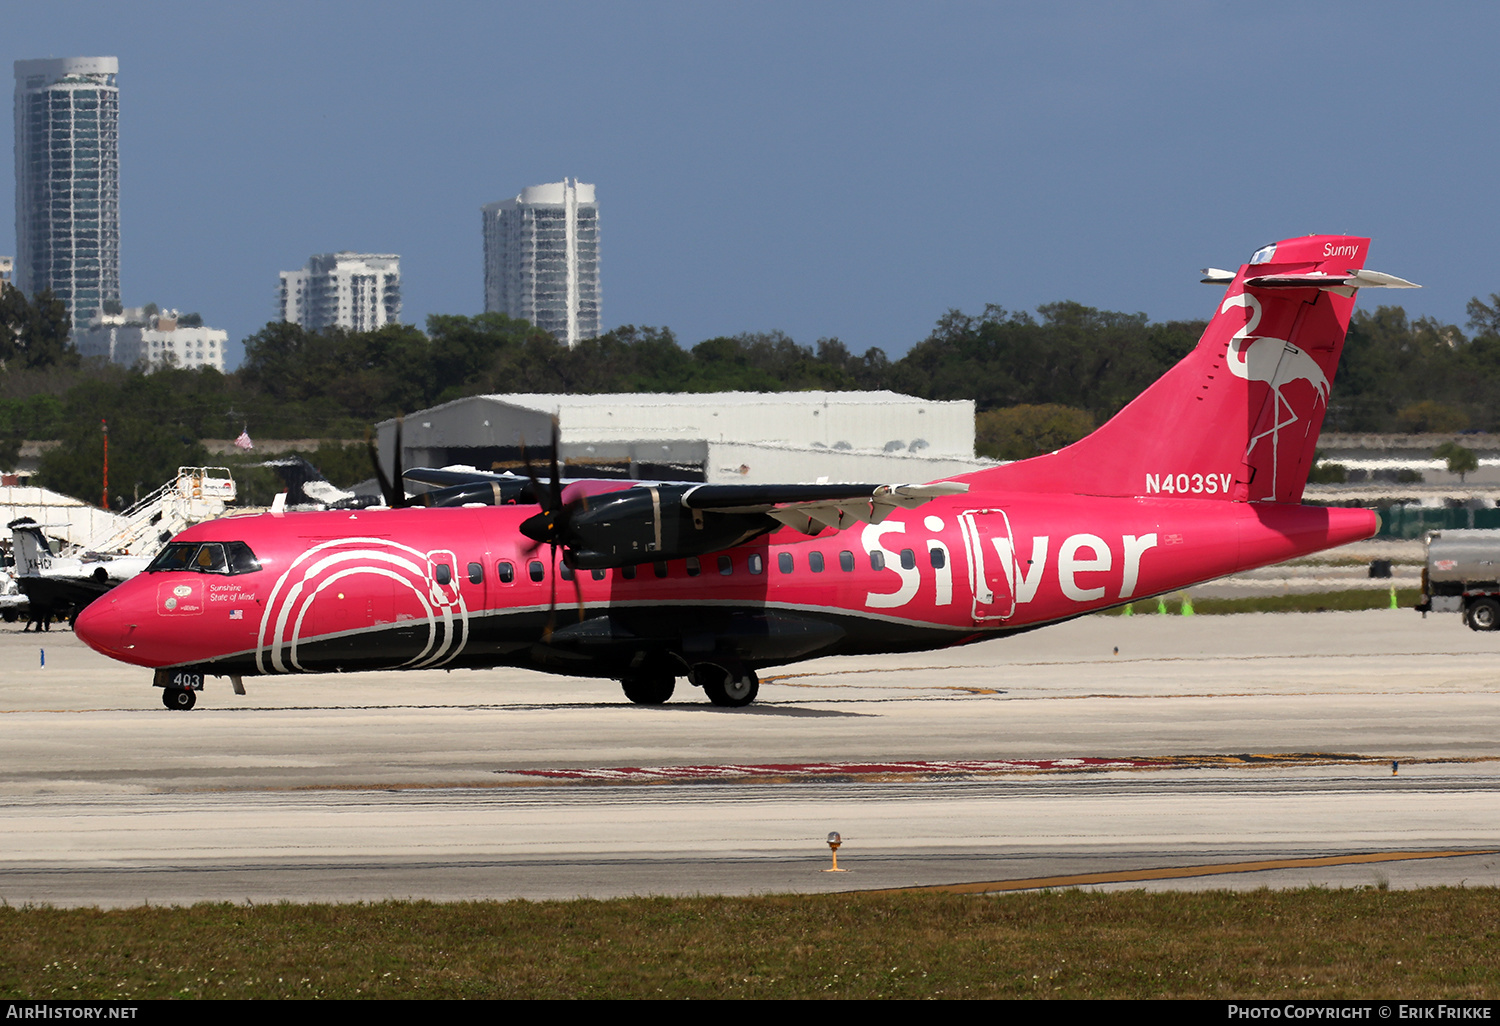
236, 614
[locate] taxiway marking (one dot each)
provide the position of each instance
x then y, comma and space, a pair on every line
1177, 872
774, 772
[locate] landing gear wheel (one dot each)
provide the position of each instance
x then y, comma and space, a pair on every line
726, 689
1484, 615
178, 698
650, 690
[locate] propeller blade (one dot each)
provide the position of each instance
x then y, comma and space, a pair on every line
398, 479
394, 492
552, 525
552, 602
556, 466
539, 493
578, 593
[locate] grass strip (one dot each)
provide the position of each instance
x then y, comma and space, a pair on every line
1313, 602
1216, 944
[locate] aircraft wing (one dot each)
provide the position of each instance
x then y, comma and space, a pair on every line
671, 521
810, 508
443, 477
461, 486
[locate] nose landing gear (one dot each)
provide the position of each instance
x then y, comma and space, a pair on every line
178, 698
179, 688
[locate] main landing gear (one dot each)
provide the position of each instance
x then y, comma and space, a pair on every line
725, 686
649, 689
731, 688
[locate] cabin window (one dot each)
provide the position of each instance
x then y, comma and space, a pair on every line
908, 559
693, 566
505, 571
757, 563
443, 573
877, 560
660, 568
627, 572
597, 575
726, 566
815, 562
537, 570
939, 558
846, 561
784, 562
566, 571
476, 573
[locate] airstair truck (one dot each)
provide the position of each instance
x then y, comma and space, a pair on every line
1462, 575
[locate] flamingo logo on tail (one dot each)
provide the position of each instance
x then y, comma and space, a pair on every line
1276, 362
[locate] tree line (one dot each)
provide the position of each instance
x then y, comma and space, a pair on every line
1039, 380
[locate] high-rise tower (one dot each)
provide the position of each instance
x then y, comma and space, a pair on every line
541, 259
67, 121
357, 291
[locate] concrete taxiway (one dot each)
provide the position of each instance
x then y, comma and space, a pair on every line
964, 766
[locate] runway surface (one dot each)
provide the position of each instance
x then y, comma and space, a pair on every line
1202, 742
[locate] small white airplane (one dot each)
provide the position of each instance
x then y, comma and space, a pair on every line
62, 585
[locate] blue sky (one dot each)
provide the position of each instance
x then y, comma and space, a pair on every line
849, 170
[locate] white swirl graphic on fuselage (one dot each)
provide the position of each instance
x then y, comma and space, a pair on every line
1276, 362
291, 599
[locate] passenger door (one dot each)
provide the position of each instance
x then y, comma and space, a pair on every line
986, 534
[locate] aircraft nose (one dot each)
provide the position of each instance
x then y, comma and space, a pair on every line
101, 626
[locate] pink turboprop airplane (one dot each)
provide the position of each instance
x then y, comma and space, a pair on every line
1201, 476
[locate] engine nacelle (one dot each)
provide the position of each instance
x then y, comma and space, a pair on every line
639, 525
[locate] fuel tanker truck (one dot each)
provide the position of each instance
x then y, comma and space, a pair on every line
1462, 575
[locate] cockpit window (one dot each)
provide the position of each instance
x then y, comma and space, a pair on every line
241, 559
176, 556
210, 559
206, 558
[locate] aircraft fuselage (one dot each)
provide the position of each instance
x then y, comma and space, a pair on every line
447, 588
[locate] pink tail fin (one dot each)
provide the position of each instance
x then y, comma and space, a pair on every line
1238, 417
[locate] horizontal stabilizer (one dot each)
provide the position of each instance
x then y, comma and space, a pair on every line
1344, 284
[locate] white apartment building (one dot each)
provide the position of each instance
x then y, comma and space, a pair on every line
67, 118
541, 259
6, 265
153, 340
357, 291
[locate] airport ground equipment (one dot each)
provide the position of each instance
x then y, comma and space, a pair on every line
1462, 575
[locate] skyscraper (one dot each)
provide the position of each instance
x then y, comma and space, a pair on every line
67, 121
358, 291
541, 259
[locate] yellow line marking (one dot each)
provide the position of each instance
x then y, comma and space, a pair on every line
1175, 872
1102, 658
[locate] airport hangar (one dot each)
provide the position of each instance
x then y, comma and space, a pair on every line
720, 437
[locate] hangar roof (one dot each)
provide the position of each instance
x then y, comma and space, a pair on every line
550, 401
880, 421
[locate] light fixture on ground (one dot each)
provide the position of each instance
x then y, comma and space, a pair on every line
834, 840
